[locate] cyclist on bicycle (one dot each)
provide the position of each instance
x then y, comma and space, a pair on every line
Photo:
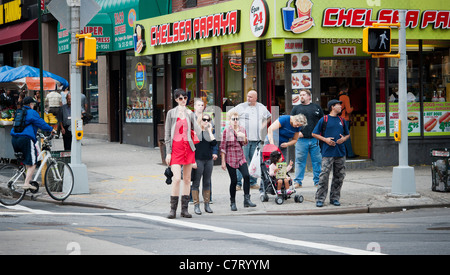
25, 141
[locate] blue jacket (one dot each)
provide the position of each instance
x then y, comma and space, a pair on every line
33, 122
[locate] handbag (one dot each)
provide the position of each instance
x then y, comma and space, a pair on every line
255, 164
194, 137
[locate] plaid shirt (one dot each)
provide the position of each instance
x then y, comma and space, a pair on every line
232, 147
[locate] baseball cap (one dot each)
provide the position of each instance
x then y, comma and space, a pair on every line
333, 102
28, 99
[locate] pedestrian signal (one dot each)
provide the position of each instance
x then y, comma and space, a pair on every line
377, 40
87, 49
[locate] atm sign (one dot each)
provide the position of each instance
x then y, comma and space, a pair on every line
344, 51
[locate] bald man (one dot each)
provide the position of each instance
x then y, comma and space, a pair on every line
250, 112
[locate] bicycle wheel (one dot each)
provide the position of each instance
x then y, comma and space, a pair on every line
12, 179
59, 180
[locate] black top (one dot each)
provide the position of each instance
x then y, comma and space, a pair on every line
313, 114
204, 149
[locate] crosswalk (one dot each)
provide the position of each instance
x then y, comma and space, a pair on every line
23, 210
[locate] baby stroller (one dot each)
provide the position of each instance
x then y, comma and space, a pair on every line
268, 183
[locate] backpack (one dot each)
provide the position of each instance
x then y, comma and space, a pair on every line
19, 120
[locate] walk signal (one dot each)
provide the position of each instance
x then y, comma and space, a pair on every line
87, 49
377, 40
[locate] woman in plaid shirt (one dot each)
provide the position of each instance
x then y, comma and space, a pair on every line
233, 138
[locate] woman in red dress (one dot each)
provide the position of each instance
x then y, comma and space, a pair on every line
180, 151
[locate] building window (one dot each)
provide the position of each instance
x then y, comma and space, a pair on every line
190, 4
17, 59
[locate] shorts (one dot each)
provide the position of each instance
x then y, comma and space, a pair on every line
27, 147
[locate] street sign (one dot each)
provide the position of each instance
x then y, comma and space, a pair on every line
60, 9
377, 40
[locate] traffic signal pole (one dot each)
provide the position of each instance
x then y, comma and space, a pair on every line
403, 180
79, 169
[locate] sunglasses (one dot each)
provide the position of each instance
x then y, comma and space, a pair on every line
206, 119
235, 119
183, 97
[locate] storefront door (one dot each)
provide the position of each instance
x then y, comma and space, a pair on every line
356, 74
189, 84
275, 86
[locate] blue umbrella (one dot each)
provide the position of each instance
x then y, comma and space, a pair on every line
18, 77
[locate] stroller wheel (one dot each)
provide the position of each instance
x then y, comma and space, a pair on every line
264, 197
279, 200
298, 198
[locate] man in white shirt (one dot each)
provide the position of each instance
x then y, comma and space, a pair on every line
253, 116
53, 104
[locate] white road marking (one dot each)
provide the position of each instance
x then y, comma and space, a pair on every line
257, 236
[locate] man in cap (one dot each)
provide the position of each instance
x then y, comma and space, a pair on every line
25, 141
333, 132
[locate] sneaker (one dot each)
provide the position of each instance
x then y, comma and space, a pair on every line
254, 186
319, 203
336, 203
238, 187
297, 185
289, 191
29, 186
279, 192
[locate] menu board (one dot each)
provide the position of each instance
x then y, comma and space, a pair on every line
435, 120
301, 76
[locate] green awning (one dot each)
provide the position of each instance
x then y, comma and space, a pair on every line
113, 26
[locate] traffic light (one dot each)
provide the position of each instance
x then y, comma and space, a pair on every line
377, 40
87, 49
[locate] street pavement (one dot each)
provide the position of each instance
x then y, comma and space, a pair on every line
130, 178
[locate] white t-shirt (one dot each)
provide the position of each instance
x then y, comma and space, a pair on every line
251, 118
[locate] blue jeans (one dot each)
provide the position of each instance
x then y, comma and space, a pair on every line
249, 150
348, 142
302, 148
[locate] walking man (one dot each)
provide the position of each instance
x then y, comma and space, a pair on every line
306, 144
333, 135
253, 116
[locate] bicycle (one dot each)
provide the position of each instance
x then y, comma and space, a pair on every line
58, 177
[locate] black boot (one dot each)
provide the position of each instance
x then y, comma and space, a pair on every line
206, 196
196, 200
248, 202
173, 207
233, 204
184, 207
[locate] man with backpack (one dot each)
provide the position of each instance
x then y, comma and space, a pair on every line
333, 135
26, 123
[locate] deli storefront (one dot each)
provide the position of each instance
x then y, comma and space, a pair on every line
219, 53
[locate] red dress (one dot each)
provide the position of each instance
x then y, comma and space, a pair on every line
181, 150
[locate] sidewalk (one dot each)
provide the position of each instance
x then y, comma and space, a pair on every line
130, 178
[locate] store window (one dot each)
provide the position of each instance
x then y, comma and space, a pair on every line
428, 83
250, 68
232, 75
207, 76
436, 87
91, 92
139, 89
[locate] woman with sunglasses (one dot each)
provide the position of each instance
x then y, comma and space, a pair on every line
233, 139
204, 164
180, 151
